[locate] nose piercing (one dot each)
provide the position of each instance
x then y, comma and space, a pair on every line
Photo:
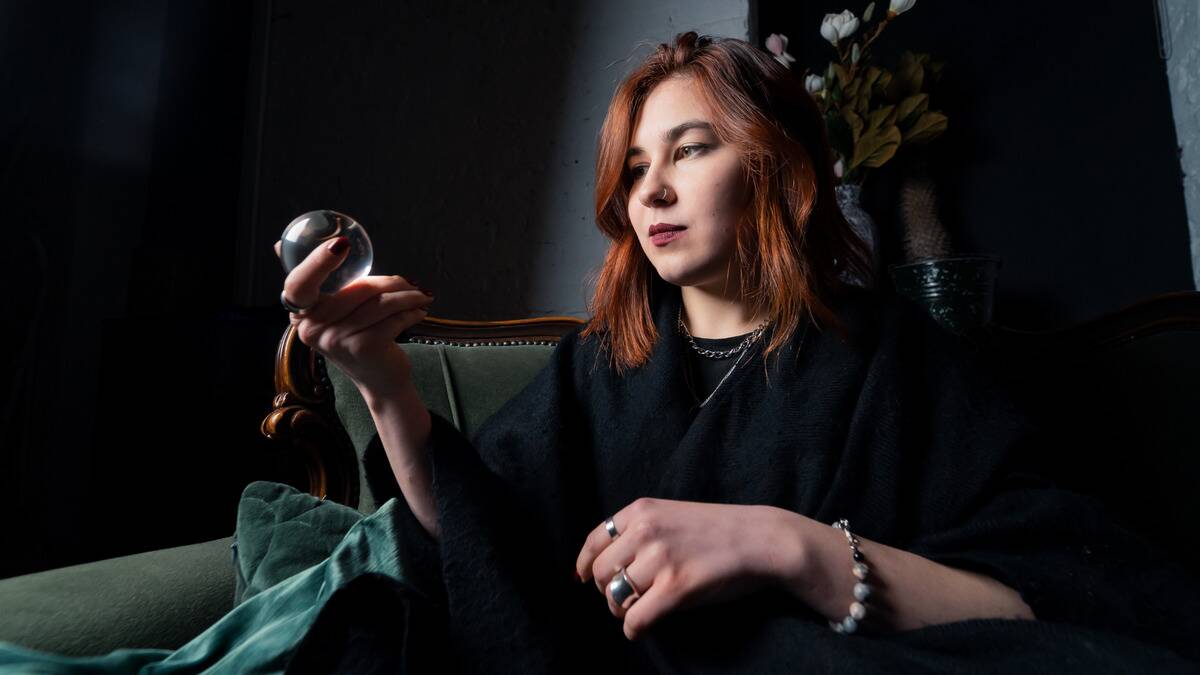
664, 195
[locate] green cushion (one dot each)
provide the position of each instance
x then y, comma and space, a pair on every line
282, 531
159, 599
465, 385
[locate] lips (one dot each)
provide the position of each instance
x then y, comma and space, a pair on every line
664, 227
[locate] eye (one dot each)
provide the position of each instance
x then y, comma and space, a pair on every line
634, 174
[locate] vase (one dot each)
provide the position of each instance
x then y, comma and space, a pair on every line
849, 200
958, 292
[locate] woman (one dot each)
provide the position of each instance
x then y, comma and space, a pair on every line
713, 183
859, 505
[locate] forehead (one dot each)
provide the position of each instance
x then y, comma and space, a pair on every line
671, 102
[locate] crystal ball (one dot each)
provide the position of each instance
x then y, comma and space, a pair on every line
316, 228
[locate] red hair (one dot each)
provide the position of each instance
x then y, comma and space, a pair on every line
793, 244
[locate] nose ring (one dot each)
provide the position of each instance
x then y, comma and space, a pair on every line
664, 194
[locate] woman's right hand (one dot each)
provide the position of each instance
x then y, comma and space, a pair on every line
356, 327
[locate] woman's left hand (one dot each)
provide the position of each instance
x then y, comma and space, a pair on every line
682, 554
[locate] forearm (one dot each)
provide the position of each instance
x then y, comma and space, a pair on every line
908, 590
404, 425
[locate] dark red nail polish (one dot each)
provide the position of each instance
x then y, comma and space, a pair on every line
339, 245
577, 577
429, 293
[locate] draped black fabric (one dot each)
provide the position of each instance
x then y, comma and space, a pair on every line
899, 429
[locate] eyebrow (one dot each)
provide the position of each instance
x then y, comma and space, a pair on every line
673, 134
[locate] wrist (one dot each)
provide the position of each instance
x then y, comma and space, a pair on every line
401, 395
403, 414
789, 556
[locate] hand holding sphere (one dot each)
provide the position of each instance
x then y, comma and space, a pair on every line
347, 316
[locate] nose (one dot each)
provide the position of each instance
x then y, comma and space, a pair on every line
654, 195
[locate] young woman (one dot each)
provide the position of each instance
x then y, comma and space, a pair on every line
742, 463
691, 453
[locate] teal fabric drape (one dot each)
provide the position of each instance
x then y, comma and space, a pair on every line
262, 632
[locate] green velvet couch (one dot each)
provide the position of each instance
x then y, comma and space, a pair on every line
1117, 395
465, 370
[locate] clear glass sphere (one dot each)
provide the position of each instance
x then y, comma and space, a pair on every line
316, 228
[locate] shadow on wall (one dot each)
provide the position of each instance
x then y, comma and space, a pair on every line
432, 124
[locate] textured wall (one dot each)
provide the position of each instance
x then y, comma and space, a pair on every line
462, 134
1181, 34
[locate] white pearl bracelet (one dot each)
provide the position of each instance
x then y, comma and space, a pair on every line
858, 611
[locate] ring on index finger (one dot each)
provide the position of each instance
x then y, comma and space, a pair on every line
611, 527
289, 306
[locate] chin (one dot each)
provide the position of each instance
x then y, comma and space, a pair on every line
682, 275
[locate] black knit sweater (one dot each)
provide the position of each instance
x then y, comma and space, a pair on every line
898, 429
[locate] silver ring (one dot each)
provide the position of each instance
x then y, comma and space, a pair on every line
664, 193
622, 589
289, 306
611, 527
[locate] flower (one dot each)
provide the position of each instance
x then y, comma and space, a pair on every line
871, 113
836, 27
899, 7
777, 45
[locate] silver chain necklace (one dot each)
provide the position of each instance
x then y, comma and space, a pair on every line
714, 354
707, 352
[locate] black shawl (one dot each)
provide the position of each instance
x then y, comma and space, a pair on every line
899, 429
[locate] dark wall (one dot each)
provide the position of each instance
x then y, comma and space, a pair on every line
1060, 156
436, 133
132, 385
146, 162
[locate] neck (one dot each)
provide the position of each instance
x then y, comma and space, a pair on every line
711, 315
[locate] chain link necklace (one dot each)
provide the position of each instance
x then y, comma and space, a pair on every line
718, 354
714, 354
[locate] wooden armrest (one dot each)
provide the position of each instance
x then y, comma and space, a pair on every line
303, 417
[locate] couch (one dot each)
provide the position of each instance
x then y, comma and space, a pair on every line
1117, 395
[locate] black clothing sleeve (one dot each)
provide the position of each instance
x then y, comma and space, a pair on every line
897, 430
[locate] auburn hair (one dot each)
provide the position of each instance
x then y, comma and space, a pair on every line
792, 243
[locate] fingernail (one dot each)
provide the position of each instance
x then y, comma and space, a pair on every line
429, 293
577, 577
339, 245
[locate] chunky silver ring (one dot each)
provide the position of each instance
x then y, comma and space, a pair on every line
622, 589
289, 306
611, 527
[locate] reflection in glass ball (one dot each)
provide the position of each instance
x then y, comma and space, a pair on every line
316, 228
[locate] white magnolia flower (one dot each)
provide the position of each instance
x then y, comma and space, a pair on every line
814, 83
836, 27
900, 6
777, 45
839, 168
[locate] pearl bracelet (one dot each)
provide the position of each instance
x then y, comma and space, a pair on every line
858, 611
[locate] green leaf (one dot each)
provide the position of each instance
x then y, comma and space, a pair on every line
911, 108
875, 148
870, 77
840, 134
868, 12
842, 74
855, 123
854, 53
910, 75
851, 88
928, 127
881, 117
862, 101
